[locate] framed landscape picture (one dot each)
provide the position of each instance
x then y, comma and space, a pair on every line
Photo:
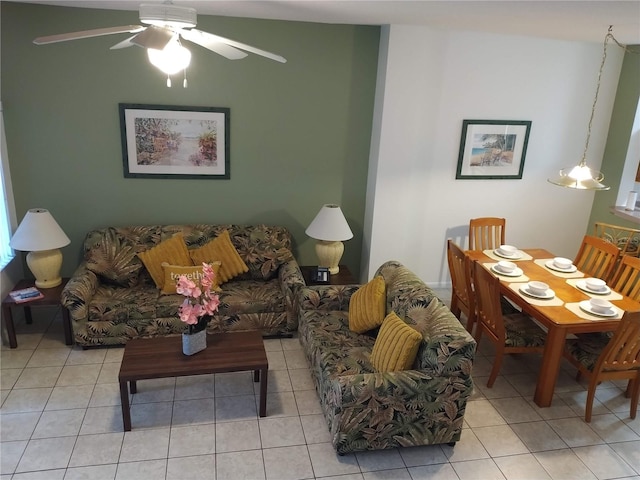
492, 149
163, 141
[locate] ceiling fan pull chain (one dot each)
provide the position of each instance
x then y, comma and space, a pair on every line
184, 82
168, 81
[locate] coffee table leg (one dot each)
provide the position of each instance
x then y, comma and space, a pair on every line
134, 387
263, 392
124, 399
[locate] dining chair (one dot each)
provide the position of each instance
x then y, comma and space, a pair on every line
510, 333
597, 257
462, 296
626, 277
627, 239
486, 233
618, 358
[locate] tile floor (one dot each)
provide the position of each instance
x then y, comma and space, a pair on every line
60, 419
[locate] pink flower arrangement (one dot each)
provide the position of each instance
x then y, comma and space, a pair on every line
200, 302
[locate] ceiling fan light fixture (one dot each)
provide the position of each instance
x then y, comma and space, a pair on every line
171, 59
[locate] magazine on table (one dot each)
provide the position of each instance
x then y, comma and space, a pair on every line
26, 295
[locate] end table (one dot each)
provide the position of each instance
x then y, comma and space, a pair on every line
343, 277
51, 299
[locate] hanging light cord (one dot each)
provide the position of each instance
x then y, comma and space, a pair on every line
609, 35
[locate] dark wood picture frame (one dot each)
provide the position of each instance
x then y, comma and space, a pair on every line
493, 149
167, 141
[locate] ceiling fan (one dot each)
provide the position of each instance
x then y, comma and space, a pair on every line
166, 25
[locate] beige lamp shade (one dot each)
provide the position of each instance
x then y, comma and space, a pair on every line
329, 227
41, 235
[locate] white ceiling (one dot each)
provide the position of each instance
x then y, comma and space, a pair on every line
581, 20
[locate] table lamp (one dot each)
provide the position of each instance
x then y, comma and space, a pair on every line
42, 237
329, 228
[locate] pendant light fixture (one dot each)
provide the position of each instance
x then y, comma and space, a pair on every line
580, 176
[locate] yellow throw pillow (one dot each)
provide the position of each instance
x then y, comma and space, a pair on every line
367, 306
396, 346
173, 272
172, 251
220, 249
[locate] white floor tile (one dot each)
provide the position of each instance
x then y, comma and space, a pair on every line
246, 465
99, 449
564, 464
521, 467
485, 469
236, 436
46, 454
327, 462
604, 462
201, 467
192, 440
94, 472
145, 445
147, 470
287, 463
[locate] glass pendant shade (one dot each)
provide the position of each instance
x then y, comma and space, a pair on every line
171, 59
579, 177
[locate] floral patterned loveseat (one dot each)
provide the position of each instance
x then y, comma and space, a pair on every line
121, 301
370, 410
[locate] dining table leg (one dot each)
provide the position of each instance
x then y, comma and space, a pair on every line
551, 359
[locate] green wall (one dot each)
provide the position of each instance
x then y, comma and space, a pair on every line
615, 153
300, 131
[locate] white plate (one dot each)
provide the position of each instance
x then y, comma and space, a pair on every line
515, 256
586, 306
553, 266
582, 285
547, 296
515, 273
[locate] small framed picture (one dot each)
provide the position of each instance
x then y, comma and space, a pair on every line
165, 141
493, 149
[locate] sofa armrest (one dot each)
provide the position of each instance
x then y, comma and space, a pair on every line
79, 291
291, 281
326, 297
384, 410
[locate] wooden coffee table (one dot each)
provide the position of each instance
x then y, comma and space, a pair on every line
162, 357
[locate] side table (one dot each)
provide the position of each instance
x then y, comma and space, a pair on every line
343, 277
51, 299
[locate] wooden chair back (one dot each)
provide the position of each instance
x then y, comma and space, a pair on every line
622, 353
597, 257
625, 238
462, 297
626, 279
488, 309
486, 233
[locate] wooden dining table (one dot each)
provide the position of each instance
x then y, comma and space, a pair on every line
555, 316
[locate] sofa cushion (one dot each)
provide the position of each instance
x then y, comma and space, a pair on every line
367, 306
220, 249
173, 272
112, 257
237, 297
172, 251
396, 346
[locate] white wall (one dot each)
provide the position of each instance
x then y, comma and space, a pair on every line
429, 81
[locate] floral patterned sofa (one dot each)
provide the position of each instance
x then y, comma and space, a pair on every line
112, 298
370, 410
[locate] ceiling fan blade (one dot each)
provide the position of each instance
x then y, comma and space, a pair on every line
153, 37
63, 37
243, 46
123, 44
210, 42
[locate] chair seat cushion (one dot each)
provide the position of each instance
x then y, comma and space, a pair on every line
587, 348
522, 331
